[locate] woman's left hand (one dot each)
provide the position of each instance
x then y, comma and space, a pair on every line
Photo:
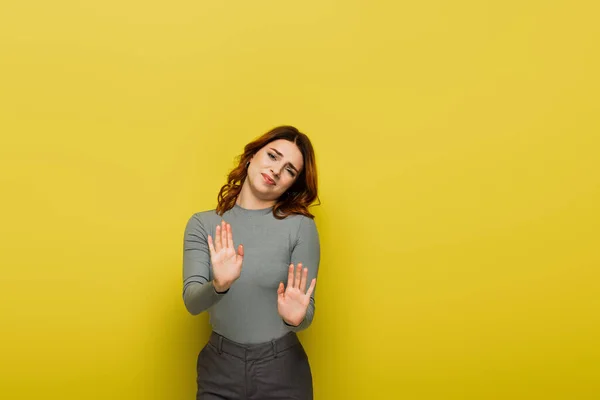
292, 301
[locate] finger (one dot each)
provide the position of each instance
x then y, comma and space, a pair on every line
218, 239
280, 290
311, 288
298, 275
303, 280
211, 247
229, 237
290, 281
241, 250
223, 234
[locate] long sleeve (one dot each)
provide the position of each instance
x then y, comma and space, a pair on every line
308, 252
198, 291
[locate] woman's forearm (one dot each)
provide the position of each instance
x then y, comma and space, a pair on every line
199, 297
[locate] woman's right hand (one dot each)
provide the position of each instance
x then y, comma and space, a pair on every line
226, 263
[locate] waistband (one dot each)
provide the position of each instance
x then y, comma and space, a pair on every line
253, 351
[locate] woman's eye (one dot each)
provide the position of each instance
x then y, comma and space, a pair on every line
291, 173
271, 155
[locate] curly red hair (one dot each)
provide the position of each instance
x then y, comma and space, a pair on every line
298, 197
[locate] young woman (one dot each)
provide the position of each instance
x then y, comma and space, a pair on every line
236, 259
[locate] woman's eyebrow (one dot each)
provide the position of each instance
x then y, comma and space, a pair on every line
276, 151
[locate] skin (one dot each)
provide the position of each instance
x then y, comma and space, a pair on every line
255, 193
277, 160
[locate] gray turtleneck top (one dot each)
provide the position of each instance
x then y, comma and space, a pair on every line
247, 312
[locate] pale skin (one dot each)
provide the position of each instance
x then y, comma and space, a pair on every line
282, 161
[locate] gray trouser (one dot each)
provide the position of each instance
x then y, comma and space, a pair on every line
274, 370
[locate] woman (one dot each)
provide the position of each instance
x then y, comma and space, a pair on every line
236, 260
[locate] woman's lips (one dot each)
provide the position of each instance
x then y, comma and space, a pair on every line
268, 180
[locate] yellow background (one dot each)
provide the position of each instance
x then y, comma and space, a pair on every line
457, 146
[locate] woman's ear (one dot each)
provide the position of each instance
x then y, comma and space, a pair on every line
248, 163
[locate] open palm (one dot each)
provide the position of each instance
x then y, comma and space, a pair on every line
226, 262
293, 301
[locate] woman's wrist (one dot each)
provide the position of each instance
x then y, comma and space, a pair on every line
292, 324
220, 288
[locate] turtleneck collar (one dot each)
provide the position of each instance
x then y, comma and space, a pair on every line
244, 211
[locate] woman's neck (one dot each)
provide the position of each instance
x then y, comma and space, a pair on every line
247, 200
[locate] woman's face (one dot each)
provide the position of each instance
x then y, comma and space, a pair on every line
274, 168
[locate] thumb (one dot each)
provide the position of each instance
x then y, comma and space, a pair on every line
280, 290
241, 250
